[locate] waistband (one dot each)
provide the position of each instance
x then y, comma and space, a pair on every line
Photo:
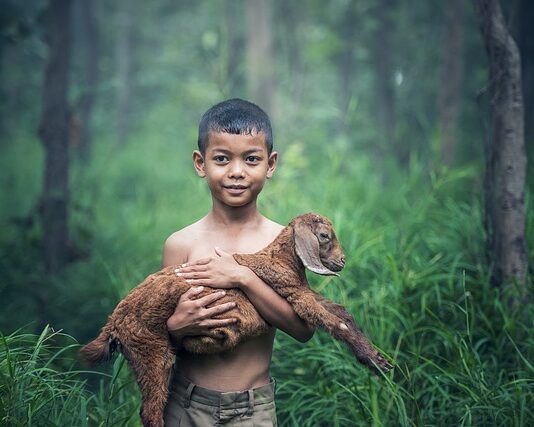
189, 391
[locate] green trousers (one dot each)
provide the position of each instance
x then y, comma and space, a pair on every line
191, 405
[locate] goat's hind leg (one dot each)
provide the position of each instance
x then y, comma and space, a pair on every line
337, 321
152, 373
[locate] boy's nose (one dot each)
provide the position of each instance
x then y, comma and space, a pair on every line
236, 171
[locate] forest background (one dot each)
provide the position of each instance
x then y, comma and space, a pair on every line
381, 114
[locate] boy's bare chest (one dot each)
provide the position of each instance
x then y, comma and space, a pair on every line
203, 245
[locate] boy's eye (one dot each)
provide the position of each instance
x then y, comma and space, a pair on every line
220, 159
252, 159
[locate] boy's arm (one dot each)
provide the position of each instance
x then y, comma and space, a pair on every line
191, 317
274, 308
223, 272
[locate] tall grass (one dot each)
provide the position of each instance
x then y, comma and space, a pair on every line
40, 386
416, 280
417, 283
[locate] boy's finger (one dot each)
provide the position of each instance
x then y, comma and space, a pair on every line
197, 262
208, 299
193, 275
214, 323
200, 267
191, 268
195, 290
218, 309
199, 282
220, 252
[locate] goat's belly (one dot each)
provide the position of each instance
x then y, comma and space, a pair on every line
249, 324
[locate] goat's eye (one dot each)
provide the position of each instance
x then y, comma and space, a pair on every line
324, 236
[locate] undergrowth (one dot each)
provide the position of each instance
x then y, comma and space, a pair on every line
416, 280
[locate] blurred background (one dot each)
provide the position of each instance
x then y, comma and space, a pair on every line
381, 115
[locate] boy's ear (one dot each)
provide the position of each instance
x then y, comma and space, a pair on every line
273, 160
198, 163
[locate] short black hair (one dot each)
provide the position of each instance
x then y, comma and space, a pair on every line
235, 116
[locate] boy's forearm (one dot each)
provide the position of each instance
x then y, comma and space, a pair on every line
274, 308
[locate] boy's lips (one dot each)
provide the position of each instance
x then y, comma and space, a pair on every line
235, 189
236, 186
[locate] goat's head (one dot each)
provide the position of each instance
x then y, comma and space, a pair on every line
316, 244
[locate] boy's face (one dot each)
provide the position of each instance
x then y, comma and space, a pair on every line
235, 166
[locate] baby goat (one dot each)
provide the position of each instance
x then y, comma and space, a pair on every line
138, 328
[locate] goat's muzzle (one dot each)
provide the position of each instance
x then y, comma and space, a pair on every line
335, 265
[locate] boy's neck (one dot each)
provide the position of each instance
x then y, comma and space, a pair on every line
239, 216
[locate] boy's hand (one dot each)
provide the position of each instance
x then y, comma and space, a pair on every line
191, 317
220, 271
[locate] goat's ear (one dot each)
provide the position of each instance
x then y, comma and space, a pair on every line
307, 247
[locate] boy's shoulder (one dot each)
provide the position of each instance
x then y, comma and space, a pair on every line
187, 232
262, 235
273, 227
178, 244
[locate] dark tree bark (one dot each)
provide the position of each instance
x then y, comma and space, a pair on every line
383, 65
290, 15
89, 49
525, 41
234, 76
505, 153
7, 92
260, 73
53, 131
345, 63
450, 83
123, 58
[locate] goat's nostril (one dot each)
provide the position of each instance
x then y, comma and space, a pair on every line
342, 260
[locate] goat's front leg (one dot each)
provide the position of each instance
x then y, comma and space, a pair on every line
341, 312
337, 321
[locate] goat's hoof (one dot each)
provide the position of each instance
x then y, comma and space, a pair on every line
382, 363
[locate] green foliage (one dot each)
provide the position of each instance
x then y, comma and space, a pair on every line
40, 386
416, 277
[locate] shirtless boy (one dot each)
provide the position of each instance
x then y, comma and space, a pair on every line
235, 158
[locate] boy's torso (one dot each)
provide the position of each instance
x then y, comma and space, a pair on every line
247, 366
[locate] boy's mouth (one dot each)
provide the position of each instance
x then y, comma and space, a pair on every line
235, 189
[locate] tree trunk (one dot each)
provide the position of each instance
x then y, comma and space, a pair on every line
505, 153
260, 75
525, 40
345, 63
383, 63
53, 131
234, 75
89, 50
123, 49
450, 84
290, 14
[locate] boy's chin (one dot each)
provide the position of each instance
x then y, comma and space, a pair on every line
235, 202
238, 203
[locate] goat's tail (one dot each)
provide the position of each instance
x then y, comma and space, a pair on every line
100, 349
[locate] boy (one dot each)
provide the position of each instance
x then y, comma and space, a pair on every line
235, 157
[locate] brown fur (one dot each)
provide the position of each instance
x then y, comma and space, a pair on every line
138, 323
